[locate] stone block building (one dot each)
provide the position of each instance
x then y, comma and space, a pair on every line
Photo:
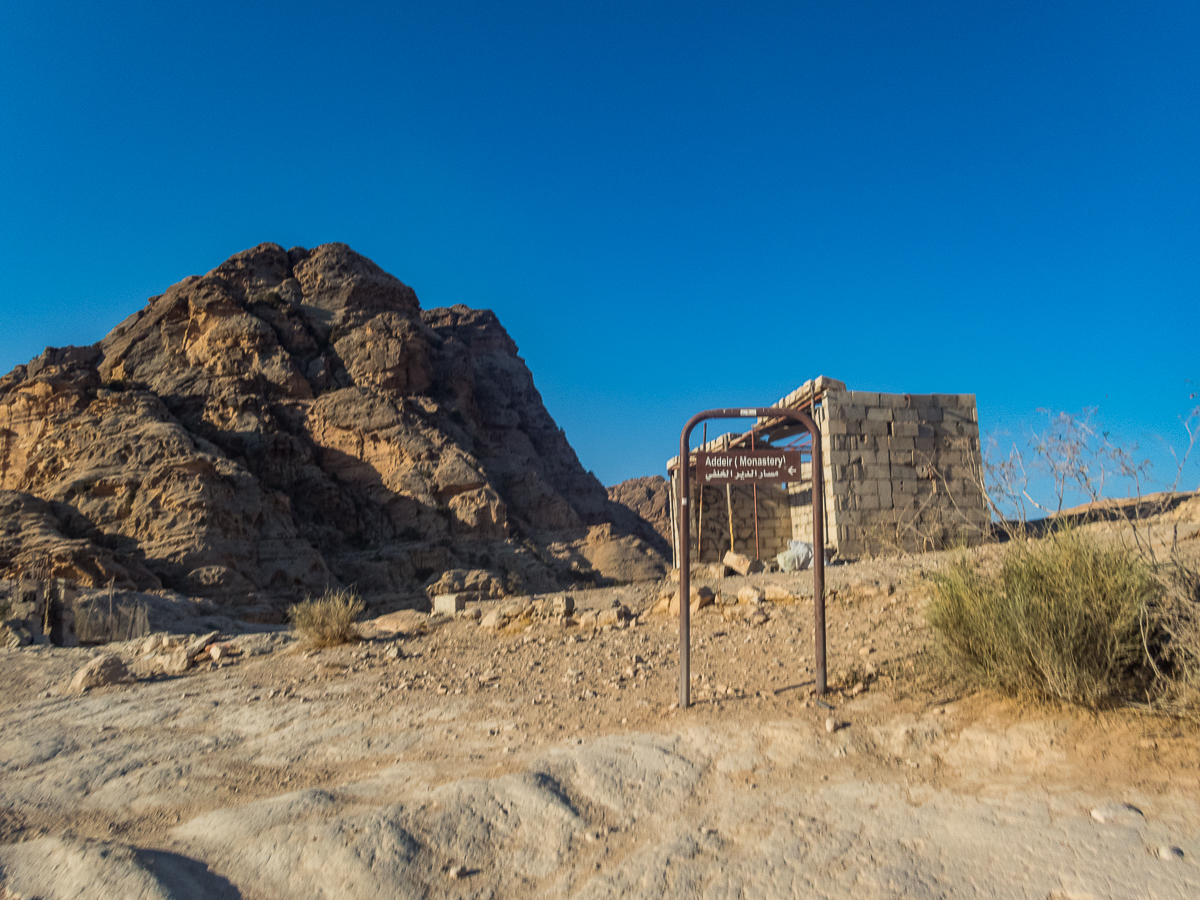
901, 472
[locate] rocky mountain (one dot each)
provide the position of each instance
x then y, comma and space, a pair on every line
649, 498
290, 421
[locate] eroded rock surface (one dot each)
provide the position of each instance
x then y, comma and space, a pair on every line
649, 498
290, 421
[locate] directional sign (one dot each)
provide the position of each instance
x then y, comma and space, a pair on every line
748, 467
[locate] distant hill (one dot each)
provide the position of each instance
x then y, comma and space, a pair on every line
649, 498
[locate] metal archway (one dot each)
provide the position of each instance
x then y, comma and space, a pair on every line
818, 496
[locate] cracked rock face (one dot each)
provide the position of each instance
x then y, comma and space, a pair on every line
288, 422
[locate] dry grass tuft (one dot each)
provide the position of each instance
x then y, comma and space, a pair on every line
328, 620
1062, 619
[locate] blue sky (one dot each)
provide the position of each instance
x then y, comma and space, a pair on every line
670, 208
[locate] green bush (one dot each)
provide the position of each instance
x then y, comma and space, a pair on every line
328, 620
1062, 619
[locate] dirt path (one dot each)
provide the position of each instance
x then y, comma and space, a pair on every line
549, 762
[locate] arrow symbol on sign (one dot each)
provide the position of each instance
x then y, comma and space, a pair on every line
791, 470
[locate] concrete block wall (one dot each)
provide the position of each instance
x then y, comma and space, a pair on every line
900, 473
774, 521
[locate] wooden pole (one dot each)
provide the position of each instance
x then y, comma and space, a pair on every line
729, 506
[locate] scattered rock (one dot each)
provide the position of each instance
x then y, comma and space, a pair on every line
458, 872
102, 671
480, 582
741, 564
1167, 852
777, 593
554, 607
831, 726
449, 604
613, 617
1118, 814
668, 604
198, 645
750, 594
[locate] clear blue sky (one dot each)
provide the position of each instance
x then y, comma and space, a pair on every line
670, 206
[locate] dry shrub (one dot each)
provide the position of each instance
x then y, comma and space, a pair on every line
328, 620
1062, 619
1180, 623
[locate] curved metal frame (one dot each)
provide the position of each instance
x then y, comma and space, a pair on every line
685, 581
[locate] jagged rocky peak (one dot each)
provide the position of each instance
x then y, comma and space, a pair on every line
290, 421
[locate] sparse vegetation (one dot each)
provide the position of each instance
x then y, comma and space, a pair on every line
328, 620
1181, 646
1063, 618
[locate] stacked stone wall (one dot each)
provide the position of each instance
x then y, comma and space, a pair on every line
903, 471
774, 522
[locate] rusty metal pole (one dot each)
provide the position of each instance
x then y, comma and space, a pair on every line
685, 575
685, 565
818, 510
757, 548
700, 506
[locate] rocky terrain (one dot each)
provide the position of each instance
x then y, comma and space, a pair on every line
293, 421
519, 750
649, 497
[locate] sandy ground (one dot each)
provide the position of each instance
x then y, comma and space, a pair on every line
549, 762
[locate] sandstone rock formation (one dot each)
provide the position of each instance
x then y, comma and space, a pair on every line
291, 421
648, 498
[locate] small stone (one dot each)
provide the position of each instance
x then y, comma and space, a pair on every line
494, 620
777, 593
613, 616
741, 564
103, 670
200, 644
865, 651
449, 604
830, 726
458, 872
1118, 814
750, 594
1166, 852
